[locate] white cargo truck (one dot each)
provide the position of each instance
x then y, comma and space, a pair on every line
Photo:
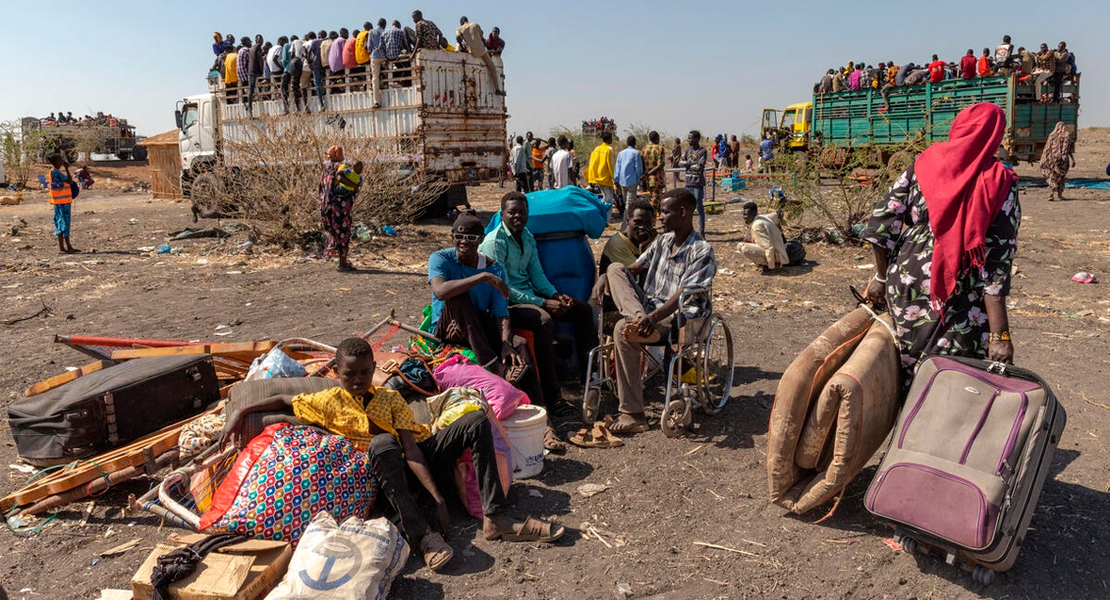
439, 115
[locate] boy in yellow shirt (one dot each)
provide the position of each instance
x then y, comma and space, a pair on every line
378, 420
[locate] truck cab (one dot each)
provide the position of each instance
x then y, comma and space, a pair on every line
196, 119
791, 126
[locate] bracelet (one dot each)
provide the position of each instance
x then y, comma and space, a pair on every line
879, 279
1003, 336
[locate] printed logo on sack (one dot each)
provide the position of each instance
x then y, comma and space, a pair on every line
340, 556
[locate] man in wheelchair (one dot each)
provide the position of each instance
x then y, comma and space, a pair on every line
677, 261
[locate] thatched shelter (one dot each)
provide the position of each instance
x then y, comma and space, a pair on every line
165, 165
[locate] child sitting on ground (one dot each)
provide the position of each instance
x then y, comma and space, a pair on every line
349, 177
377, 420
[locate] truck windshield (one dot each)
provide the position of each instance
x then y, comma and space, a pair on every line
788, 119
190, 117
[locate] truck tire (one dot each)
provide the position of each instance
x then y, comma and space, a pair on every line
123, 155
205, 192
139, 153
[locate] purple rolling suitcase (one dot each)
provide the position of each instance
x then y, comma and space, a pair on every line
967, 461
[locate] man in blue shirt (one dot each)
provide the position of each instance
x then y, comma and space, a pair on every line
377, 59
534, 304
766, 152
627, 173
470, 305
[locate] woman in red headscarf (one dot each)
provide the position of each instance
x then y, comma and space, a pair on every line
944, 238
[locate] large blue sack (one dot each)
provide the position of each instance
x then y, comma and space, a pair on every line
563, 210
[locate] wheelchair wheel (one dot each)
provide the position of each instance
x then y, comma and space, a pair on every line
591, 405
716, 367
676, 418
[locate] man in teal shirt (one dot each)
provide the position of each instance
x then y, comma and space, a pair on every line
534, 304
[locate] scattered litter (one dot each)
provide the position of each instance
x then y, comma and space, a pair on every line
1084, 277
164, 249
895, 546
591, 489
145, 248
754, 304
724, 271
624, 590
16, 522
225, 333
234, 273
202, 261
120, 549
535, 493
388, 230
866, 266
109, 532
219, 327
23, 468
133, 221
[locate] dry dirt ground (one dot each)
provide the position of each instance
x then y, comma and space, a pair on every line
665, 494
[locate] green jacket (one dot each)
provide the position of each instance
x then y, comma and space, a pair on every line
527, 282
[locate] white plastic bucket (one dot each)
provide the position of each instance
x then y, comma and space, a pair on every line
525, 429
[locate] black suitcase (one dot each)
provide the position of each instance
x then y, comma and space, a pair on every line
111, 407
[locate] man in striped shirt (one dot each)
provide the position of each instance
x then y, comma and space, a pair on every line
676, 261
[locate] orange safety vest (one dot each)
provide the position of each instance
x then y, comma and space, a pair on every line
61, 193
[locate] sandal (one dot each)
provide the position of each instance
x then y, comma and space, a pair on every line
598, 437
515, 373
532, 530
436, 551
627, 428
551, 441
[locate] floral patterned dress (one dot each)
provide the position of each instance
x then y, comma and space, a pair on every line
900, 224
335, 211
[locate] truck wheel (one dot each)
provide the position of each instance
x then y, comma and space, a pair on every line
139, 153
205, 192
123, 155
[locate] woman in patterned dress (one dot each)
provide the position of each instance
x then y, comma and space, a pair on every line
335, 210
944, 238
1057, 158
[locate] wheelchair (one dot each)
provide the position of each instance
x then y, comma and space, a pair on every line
696, 358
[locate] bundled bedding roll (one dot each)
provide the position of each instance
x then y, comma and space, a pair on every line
834, 407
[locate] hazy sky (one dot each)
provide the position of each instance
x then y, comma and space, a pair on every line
669, 65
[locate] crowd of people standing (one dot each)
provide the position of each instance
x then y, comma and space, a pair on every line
329, 62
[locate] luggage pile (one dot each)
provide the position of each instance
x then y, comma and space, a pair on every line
970, 450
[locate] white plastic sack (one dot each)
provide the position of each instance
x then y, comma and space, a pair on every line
275, 363
354, 561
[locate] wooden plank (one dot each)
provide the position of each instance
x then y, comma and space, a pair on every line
58, 381
87, 470
213, 349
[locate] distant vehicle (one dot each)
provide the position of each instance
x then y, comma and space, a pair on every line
861, 119
443, 118
116, 137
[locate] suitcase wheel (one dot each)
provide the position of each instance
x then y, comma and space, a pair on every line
982, 575
909, 545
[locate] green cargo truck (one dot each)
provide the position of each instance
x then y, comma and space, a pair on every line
863, 120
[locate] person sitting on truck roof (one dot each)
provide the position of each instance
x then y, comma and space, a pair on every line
986, 64
317, 61
838, 83
967, 65
1028, 61
350, 61
394, 41
1046, 67
494, 43
471, 39
937, 70
1004, 55
427, 34
335, 51
256, 59
855, 79
231, 75
275, 64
